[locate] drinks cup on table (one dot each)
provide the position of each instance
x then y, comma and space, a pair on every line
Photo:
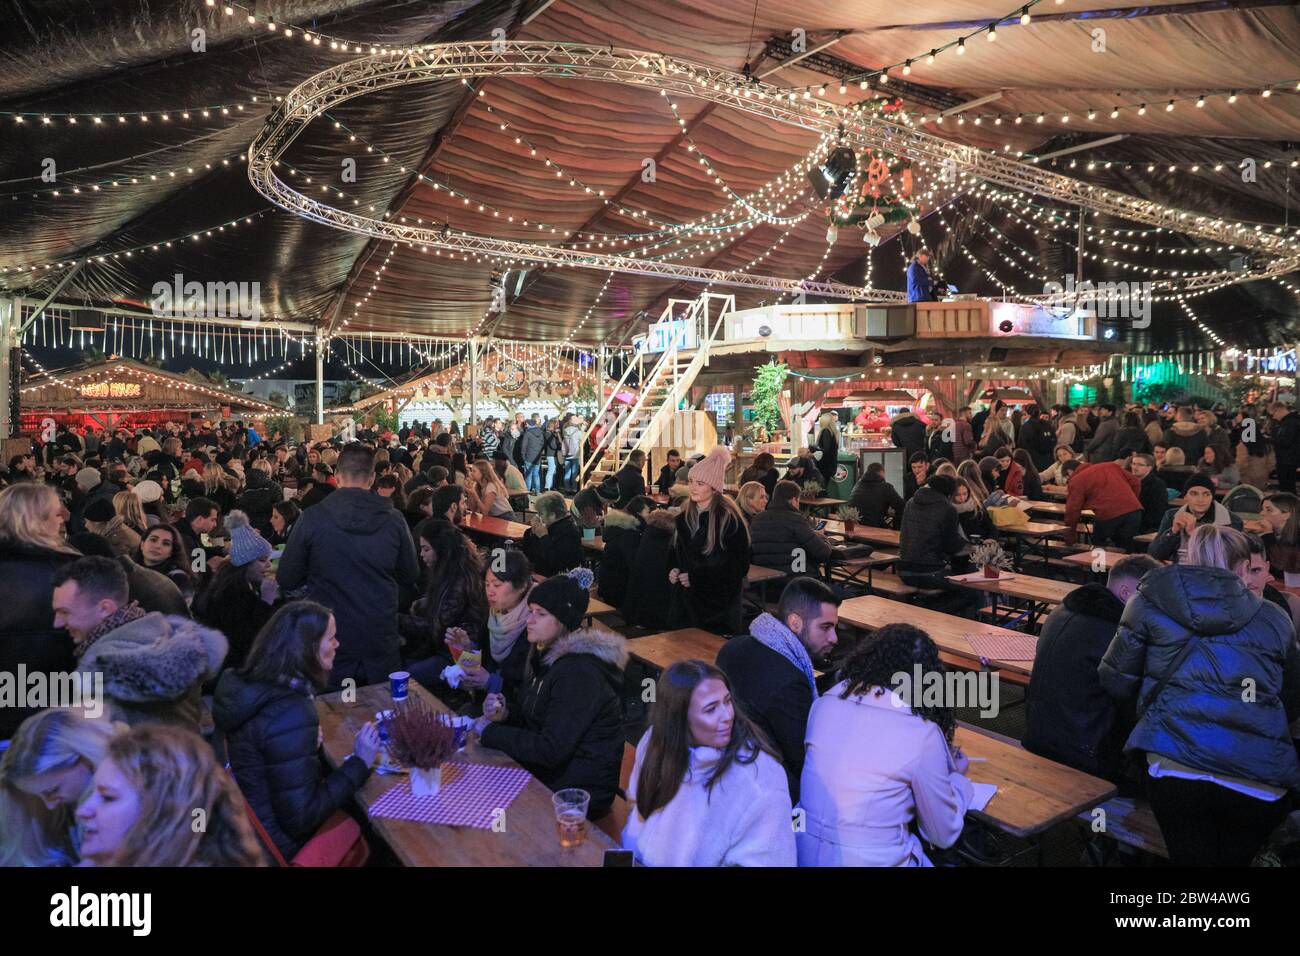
399, 683
571, 816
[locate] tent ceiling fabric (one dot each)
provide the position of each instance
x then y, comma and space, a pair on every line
127, 57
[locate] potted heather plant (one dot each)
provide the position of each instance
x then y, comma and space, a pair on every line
421, 740
849, 515
812, 489
989, 557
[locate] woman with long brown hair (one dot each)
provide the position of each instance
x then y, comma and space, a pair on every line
712, 550
147, 796
706, 789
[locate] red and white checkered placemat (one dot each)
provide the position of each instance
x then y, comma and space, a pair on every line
469, 794
1004, 647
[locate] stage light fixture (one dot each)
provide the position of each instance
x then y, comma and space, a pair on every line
830, 179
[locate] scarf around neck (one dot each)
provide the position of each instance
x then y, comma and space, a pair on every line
774, 635
123, 615
504, 629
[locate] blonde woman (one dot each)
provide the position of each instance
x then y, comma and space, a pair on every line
128, 507
32, 549
828, 444
141, 810
44, 774
752, 499
215, 488
1220, 762
493, 498
712, 551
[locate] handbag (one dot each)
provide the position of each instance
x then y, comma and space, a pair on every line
1005, 516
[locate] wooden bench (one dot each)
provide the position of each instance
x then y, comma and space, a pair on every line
612, 823
1131, 822
894, 586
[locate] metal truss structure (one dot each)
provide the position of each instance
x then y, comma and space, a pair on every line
557, 60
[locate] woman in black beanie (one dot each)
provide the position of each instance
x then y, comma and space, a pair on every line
566, 728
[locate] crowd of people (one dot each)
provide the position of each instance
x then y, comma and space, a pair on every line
218, 580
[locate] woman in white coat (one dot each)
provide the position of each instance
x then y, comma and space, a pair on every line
874, 763
706, 789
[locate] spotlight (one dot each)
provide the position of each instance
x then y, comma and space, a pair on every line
830, 179
877, 358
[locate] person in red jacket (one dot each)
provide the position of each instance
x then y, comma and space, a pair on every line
1013, 476
1112, 495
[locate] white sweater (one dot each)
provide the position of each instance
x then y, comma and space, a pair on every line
871, 766
743, 821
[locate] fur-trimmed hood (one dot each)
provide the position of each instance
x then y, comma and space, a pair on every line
662, 519
617, 518
1185, 429
155, 658
605, 646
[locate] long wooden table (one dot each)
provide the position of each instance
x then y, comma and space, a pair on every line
1056, 509
1034, 793
494, 527
871, 612
665, 649
1037, 595
529, 838
881, 537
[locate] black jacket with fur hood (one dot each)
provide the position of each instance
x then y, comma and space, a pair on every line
567, 727
648, 598
154, 669
622, 538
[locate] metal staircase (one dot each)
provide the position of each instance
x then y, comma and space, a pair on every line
626, 428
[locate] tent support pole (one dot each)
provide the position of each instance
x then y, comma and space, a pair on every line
320, 380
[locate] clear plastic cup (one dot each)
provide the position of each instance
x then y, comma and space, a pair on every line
571, 816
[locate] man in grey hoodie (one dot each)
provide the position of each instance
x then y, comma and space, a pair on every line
1102, 445
353, 552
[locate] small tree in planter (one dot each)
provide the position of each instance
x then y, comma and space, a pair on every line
849, 515
421, 739
990, 558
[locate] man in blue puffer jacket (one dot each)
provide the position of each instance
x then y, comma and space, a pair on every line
1216, 736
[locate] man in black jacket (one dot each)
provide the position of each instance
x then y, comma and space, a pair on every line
875, 498
1069, 716
929, 540
668, 473
631, 479
908, 433
918, 469
782, 537
1286, 443
1037, 437
354, 552
771, 668
1154, 494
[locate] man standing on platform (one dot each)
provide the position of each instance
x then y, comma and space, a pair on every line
920, 287
572, 438
530, 447
353, 552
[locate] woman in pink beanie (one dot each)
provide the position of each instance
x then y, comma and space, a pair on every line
711, 553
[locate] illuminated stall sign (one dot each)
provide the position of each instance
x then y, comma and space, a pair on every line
111, 390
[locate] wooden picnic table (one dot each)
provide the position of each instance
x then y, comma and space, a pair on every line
1145, 538
529, 837
814, 503
1056, 509
871, 611
594, 544
668, 647
1086, 558
1034, 793
494, 527
1056, 491
884, 537
1025, 587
